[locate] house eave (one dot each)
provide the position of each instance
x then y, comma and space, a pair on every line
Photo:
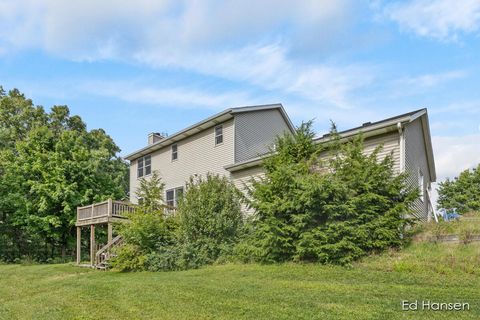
205, 124
246, 164
429, 147
389, 125
377, 127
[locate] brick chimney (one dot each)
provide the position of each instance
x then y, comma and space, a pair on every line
154, 137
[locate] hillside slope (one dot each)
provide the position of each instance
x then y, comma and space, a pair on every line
371, 289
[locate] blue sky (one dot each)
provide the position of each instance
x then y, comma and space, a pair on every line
133, 67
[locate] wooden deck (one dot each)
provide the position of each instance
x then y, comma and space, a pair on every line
106, 212
103, 212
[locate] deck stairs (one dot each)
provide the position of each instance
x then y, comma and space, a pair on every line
103, 256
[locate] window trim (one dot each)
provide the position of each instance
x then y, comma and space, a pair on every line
166, 197
175, 195
220, 126
174, 152
141, 170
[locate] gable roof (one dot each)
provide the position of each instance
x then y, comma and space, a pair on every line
369, 129
390, 124
370, 126
208, 123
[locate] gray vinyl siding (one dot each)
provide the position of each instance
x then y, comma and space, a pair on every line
242, 179
415, 159
390, 143
256, 131
197, 154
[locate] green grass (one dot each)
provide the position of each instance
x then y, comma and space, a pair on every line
463, 228
371, 289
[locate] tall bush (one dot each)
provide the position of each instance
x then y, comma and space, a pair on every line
147, 230
333, 210
210, 220
205, 227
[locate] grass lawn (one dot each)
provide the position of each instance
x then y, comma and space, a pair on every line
372, 289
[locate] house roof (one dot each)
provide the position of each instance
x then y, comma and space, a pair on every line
247, 163
369, 129
205, 124
390, 124
370, 126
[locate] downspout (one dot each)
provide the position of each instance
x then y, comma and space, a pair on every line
401, 132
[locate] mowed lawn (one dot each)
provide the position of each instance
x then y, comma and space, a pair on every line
372, 289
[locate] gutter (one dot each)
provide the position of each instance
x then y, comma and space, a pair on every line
250, 163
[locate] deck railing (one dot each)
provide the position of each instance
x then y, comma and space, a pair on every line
112, 208
108, 208
105, 252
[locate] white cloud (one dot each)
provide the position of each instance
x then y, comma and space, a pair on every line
235, 40
455, 154
440, 19
431, 80
268, 67
411, 85
78, 29
463, 107
180, 97
83, 29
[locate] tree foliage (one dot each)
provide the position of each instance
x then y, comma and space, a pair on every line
147, 230
329, 203
210, 220
206, 227
463, 192
150, 193
49, 164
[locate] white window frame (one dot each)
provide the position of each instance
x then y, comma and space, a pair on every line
218, 135
172, 201
174, 153
144, 164
421, 184
176, 192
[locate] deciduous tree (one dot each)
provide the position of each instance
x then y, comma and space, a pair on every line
50, 164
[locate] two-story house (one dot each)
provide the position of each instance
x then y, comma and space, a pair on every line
233, 143
216, 144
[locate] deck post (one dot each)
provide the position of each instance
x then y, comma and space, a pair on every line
92, 244
109, 225
109, 208
79, 243
110, 232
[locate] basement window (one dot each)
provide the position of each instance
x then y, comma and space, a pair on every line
144, 166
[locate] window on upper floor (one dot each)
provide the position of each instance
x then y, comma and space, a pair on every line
174, 152
218, 134
144, 166
421, 184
